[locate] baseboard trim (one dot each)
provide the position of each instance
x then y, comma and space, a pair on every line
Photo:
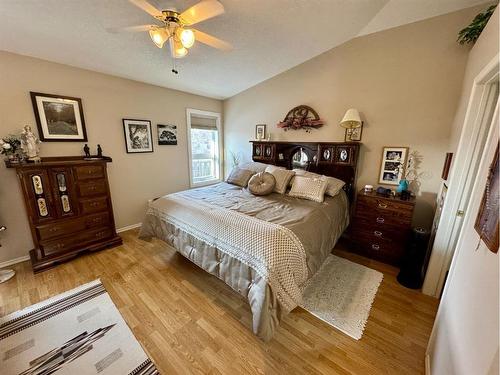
27, 257
14, 261
427, 365
128, 227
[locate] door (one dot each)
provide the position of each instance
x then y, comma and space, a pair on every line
37, 187
63, 190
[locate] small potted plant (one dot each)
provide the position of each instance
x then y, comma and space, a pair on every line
10, 146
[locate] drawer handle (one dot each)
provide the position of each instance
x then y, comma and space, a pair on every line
92, 187
52, 230
382, 205
90, 172
59, 246
377, 233
380, 220
375, 247
94, 204
100, 234
96, 220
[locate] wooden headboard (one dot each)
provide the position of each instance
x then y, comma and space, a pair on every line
335, 159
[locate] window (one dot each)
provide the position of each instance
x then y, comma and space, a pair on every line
204, 147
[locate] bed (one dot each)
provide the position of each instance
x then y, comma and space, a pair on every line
263, 247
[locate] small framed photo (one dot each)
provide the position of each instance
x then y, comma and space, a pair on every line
391, 167
353, 135
167, 134
59, 118
260, 132
137, 136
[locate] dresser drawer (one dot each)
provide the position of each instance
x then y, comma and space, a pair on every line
92, 187
80, 239
383, 223
94, 205
380, 248
388, 212
95, 220
87, 172
49, 231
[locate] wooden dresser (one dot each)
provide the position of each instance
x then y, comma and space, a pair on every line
69, 207
381, 226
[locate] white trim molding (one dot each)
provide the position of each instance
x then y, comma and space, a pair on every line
128, 227
14, 261
476, 126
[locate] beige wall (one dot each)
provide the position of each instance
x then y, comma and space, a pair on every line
134, 178
405, 81
465, 337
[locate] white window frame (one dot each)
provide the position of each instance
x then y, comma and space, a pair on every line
217, 116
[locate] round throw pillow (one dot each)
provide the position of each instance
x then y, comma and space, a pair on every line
261, 183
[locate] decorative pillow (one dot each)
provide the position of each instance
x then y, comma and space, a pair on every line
261, 183
239, 176
334, 184
311, 188
254, 166
282, 177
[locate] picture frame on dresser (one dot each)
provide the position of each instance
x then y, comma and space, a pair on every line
260, 132
59, 118
138, 136
392, 164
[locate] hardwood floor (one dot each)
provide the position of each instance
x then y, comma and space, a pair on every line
190, 322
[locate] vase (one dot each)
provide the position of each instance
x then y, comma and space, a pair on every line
403, 186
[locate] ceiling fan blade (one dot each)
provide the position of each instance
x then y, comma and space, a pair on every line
130, 29
202, 11
147, 7
212, 41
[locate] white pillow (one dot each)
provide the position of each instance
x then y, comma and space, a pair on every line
334, 184
311, 188
282, 177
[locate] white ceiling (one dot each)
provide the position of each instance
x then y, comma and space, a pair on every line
269, 37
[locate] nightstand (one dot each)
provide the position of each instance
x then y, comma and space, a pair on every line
381, 226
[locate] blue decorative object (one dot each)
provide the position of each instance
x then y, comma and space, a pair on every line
403, 186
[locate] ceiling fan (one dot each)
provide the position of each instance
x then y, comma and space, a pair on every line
176, 27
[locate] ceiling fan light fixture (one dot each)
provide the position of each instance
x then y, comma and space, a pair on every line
187, 38
178, 50
159, 36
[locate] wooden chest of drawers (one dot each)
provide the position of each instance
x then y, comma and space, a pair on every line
381, 226
69, 208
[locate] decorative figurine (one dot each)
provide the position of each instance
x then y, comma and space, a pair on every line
86, 149
29, 144
99, 151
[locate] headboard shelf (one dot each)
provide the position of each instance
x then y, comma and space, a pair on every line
335, 159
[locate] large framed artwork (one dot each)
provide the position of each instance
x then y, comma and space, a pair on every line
167, 134
392, 164
486, 224
59, 118
138, 137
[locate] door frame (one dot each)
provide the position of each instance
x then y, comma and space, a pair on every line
477, 124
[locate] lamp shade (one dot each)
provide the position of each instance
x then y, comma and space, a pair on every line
159, 36
351, 119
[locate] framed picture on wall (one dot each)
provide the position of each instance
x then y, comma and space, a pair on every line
260, 132
59, 118
391, 166
137, 136
167, 134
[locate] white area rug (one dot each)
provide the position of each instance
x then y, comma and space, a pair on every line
77, 332
341, 293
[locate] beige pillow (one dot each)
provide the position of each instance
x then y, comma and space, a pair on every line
334, 184
254, 166
239, 176
282, 177
261, 183
311, 188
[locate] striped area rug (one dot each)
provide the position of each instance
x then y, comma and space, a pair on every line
77, 332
